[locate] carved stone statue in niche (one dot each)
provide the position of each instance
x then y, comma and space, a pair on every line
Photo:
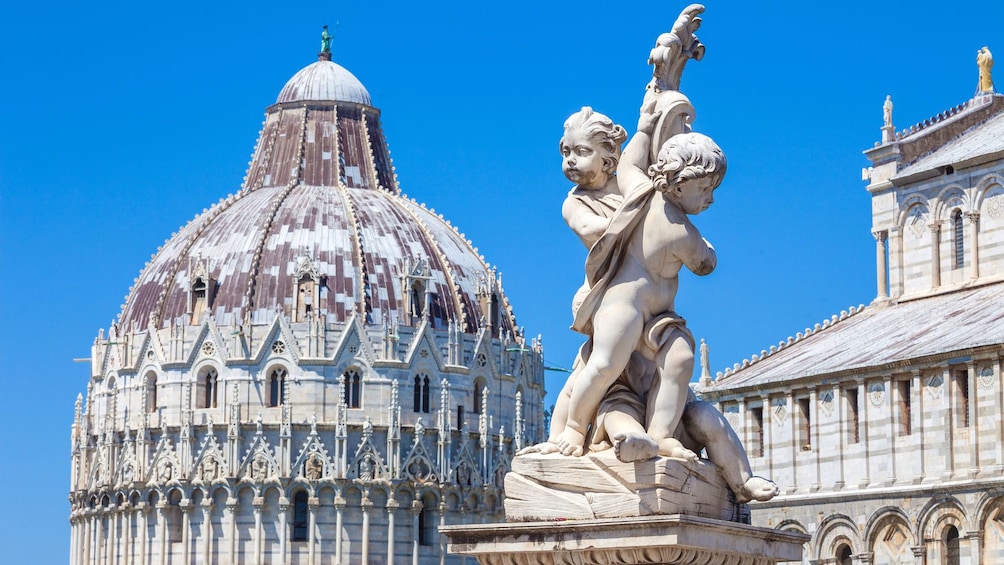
209, 470
313, 467
633, 371
366, 468
165, 471
259, 467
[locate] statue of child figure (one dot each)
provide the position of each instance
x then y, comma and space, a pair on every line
632, 273
590, 148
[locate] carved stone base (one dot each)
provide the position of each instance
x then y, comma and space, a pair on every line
682, 540
555, 487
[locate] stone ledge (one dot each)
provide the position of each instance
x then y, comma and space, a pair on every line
598, 486
677, 539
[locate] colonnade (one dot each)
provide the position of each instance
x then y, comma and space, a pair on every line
119, 534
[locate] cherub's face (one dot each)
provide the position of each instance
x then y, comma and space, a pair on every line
694, 196
581, 162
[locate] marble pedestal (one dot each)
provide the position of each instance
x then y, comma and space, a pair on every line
673, 539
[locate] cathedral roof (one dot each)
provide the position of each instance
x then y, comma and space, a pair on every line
985, 139
881, 336
320, 199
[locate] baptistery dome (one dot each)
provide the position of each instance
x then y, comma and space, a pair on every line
313, 363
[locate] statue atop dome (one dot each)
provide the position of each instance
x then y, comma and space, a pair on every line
325, 53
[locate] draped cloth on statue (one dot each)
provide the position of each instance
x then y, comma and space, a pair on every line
609, 252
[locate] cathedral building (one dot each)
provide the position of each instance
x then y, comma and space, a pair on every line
314, 370
882, 424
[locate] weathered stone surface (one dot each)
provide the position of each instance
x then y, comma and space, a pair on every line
598, 485
664, 539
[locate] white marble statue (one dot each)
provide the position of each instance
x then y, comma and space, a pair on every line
629, 389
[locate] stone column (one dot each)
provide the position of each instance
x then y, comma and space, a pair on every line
186, 531
893, 431
312, 504
127, 514
442, 538
814, 439
974, 420
366, 505
392, 506
416, 509
232, 527
339, 507
975, 538
880, 263
935, 254
863, 413
110, 543
99, 537
974, 244
142, 509
895, 246
207, 530
766, 430
866, 558
919, 554
73, 538
283, 530
917, 392
162, 530
87, 535
258, 502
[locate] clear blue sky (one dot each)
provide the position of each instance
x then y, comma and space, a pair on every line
121, 121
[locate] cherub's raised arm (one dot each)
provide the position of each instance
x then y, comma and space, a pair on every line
633, 167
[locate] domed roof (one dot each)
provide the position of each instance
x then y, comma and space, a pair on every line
327, 81
321, 201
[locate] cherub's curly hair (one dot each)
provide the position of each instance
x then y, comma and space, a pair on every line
602, 130
687, 156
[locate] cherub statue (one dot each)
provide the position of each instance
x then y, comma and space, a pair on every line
985, 62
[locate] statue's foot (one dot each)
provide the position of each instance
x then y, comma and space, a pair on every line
635, 446
569, 442
543, 448
757, 488
671, 447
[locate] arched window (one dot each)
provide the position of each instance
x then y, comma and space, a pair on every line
208, 389
844, 555
422, 393
151, 392
960, 246
952, 546
306, 287
198, 300
479, 393
277, 387
496, 316
300, 516
353, 386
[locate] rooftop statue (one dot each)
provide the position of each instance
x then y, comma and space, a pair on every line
887, 112
629, 389
325, 41
985, 62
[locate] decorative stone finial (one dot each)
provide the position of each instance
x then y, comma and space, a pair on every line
985, 62
888, 132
